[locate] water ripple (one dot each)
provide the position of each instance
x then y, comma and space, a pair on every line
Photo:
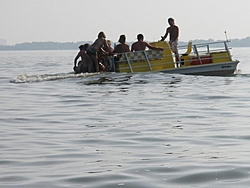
109, 130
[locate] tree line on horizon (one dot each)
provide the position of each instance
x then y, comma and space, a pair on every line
245, 42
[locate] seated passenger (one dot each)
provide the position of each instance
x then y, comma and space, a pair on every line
85, 65
141, 45
121, 48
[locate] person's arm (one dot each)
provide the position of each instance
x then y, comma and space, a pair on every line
106, 49
132, 48
165, 36
114, 51
153, 47
102, 51
76, 58
127, 50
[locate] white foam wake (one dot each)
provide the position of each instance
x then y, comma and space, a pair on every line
24, 78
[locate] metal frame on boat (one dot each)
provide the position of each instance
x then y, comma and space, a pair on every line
196, 59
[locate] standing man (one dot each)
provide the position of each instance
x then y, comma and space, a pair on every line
173, 32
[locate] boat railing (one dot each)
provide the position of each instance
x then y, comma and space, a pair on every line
213, 52
133, 59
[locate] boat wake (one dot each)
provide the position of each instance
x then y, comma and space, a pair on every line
25, 78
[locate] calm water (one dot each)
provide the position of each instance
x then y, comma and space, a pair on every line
148, 130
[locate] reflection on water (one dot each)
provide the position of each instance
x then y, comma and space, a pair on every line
116, 79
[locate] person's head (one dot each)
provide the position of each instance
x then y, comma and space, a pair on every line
140, 37
122, 39
81, 47
101, 35
109, 42
84, 47
171, 21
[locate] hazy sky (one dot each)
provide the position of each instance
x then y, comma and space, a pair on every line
81, 20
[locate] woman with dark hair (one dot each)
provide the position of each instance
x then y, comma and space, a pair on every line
122, 47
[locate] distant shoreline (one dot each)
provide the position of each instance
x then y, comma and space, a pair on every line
245, 42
